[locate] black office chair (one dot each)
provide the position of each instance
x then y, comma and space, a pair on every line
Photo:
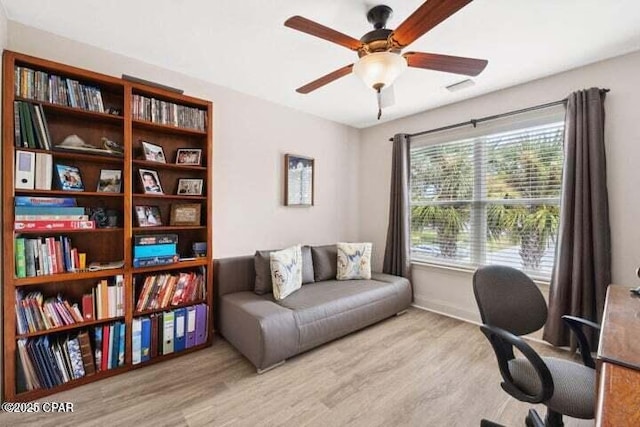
512, 305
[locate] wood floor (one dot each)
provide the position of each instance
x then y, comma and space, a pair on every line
419, 369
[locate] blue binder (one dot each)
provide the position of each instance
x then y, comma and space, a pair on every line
180, 326
146, 339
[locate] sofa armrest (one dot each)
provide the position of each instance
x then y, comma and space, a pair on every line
263, 331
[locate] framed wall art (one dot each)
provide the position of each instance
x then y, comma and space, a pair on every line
298, 180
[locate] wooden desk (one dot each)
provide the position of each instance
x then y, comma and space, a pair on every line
618, 360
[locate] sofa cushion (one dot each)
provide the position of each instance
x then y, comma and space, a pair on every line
325, 262
330, 309
354, 261
286, 271
262, 264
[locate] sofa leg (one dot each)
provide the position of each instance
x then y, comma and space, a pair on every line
268, 368
400, 313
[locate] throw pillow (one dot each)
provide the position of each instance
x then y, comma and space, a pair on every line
354, 261
307, 265
286, 271
324, 262
263, 272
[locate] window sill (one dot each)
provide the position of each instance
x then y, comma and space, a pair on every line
425, 265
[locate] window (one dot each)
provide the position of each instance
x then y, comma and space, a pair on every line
489, 198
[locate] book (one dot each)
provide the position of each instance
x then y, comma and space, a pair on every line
146, 251
48, 225
41, 210
154, 261
44, 201
106, 347
153, 348
121, 344
136, 341
97, 334
155, 239
145, 344
87, 353
21, 260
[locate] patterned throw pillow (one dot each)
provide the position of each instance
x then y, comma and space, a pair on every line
354, 261
286, 271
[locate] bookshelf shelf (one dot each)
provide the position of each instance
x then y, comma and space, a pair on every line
69, 327
144, 124
42, 124
65, 277
172, 307
74, 111
175, 266
157, 165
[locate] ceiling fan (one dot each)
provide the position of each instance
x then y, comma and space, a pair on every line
381, 60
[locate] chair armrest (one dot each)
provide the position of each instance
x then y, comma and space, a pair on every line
576, 324
503, 342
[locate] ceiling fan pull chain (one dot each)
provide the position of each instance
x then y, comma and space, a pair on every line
379, 96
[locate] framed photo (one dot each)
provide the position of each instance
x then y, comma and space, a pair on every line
185, 214
148, 216
189, 156
298, 180
150, 181
190, 187
153, 152
110, 181
69, 178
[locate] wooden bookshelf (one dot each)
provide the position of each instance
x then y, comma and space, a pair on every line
118, 123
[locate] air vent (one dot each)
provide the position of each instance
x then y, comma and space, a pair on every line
460, 85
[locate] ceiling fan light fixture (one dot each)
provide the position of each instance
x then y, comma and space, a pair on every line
380, 69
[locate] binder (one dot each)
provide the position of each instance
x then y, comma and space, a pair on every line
191, 327
168, 318
155, 320
25, 170
145, 347
121, 329
136, 341
201, 324
43, 171
179, 329
110, 349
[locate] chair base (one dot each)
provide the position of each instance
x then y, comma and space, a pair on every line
553, 419
533, 419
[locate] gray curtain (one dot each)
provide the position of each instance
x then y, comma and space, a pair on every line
397, 250
582, 269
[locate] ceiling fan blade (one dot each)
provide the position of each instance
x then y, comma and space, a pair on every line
335, 75
446, 63
426, 17
307, 26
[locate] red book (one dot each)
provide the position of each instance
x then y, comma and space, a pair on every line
105, 348
54, 225
87, 307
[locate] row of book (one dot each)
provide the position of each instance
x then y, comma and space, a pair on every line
160, 291
109, 344
46, 362
155, 249
43, 213
168, 113
35, 313
42, 86
30, 126
168, 332
41, 256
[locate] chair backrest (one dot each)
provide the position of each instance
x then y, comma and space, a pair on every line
509, 299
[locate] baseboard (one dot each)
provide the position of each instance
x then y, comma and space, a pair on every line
465, 316
444, 309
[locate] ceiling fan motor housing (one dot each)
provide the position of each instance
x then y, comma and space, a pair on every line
378, 39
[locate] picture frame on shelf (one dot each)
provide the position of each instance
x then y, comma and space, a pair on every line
190, 187
185, 214
150, 181
69, 178
110, 181
189, 156
153, 152
148, 216
298, 181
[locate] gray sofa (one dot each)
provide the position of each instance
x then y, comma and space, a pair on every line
269, 332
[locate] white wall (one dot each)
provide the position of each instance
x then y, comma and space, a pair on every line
251, 137
450, 291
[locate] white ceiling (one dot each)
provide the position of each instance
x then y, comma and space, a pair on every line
243, 44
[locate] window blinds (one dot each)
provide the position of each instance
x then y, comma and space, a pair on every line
490, 199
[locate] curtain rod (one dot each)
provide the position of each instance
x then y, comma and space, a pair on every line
474, 122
